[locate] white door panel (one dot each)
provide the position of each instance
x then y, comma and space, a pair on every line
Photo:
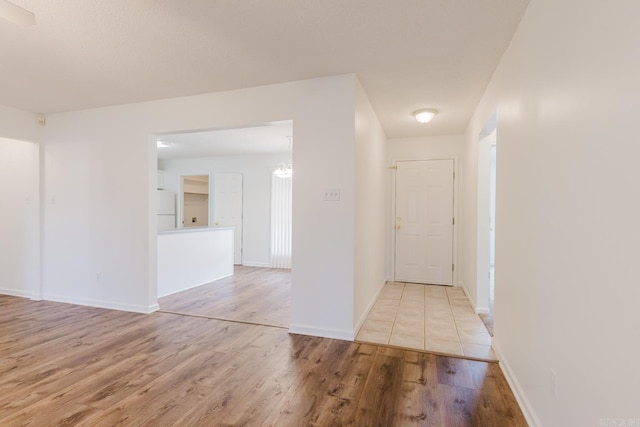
227, 207
424, 222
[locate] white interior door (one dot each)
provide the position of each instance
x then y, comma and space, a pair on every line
227, 207
424, 222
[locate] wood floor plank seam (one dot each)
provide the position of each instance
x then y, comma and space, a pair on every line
203, 316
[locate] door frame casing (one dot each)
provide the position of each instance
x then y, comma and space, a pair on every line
392, 222
483, 216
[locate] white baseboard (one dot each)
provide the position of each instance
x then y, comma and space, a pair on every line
256, 264
195, 285
19, 293
518, 392
103, 304
482, 310
468, 295
476, 308
368, 309
339, 334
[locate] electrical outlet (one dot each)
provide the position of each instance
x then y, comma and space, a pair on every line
554, 383
331, 195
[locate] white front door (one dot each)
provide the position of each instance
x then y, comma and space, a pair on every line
424, 222
227, 207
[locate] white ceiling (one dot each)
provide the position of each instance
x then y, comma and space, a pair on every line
409, 54
264, 139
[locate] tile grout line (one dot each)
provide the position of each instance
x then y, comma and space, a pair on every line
458, 332
396, 315
455, 323
425, 297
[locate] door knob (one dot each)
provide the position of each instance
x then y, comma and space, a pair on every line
397, 227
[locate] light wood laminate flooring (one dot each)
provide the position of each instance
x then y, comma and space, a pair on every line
438, 319
66, 365
253, 295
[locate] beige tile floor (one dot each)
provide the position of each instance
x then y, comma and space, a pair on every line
427, 317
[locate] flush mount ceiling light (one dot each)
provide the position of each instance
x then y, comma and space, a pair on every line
425, 115
163, 144
16, 14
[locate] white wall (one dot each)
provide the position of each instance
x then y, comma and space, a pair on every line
100, 235
19, 125
567, 96
256, 195
370, 212
424, 148
20, 210
19, 218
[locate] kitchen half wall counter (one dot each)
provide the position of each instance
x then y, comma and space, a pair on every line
190, 257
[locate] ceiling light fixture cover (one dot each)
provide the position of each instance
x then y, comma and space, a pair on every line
16, 14
425, 115
162, 144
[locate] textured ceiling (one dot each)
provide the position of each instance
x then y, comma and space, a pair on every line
409, 54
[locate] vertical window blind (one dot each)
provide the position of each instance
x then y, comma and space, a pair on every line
281, 196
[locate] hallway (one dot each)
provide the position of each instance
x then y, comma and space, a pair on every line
436, 319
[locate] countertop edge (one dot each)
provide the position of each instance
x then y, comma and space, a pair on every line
193, 230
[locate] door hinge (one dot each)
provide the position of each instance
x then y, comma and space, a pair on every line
454, 221
395, 167
454, 174
452, 267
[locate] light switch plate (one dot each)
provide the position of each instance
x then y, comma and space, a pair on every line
331, 195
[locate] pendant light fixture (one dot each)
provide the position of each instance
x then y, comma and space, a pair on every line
285, 170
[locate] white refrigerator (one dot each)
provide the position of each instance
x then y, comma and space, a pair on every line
166, 210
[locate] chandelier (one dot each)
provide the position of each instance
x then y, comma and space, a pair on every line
285, 170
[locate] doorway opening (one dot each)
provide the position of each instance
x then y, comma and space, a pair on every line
195, 200
492, 226
224, 180
410, 312
486, 223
